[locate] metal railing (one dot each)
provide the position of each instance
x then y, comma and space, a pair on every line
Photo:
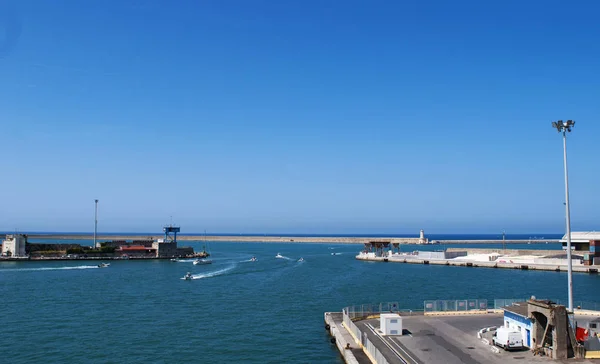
455, 305
373, 309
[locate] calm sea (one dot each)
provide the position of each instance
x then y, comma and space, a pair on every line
269, 311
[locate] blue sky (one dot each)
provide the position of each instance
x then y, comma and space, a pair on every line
298, 116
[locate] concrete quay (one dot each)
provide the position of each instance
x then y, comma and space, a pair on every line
449, 337
482, 264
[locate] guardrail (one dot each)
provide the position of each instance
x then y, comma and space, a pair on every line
363, 339
373, 309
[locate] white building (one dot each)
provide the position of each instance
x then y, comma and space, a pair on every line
14, 245
582, 240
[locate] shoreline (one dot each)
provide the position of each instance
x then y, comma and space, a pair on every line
283, 239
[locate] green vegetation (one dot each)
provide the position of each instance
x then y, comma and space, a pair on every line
75, 250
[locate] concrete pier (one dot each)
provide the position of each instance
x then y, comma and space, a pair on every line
430, 338
480, 264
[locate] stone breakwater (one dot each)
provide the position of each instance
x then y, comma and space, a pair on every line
273, 239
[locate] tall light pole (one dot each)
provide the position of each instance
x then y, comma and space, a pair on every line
95, 222
564, 127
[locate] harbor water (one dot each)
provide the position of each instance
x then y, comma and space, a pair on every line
234, 310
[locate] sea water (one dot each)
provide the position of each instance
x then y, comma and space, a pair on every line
234, 310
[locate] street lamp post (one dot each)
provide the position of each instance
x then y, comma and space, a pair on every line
95, 222
564, 127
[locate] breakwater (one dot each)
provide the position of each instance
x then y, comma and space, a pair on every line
281, 239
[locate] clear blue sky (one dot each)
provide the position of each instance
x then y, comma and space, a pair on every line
298, 116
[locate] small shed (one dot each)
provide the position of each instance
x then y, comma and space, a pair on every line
390, 324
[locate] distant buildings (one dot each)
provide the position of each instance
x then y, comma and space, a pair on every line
14, 245
582, 240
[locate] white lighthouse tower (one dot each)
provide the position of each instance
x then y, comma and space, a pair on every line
422, 239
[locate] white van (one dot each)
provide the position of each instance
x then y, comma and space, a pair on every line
508, 338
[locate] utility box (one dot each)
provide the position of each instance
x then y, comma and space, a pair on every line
390, 324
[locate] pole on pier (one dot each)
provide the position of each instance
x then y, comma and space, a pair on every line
564, 127
95, 222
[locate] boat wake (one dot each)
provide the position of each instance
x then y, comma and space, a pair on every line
215, 273
49, 268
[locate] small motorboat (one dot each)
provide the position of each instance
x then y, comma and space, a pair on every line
279, 256
188, 276
301, 259
253, 259
336, 253
103, 265
202, 261
174, 259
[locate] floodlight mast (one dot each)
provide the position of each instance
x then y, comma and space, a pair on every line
564, 127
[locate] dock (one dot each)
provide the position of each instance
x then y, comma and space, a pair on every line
482, 264
429, 338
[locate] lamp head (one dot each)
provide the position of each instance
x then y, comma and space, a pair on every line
563, 126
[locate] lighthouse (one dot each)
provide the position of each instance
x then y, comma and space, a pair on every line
422, 239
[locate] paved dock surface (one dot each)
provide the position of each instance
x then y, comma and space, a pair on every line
446, 339
357, 351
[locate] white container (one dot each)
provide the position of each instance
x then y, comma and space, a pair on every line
390, 324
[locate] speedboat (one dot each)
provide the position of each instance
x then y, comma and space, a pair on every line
174, 259
253, 259
301, 259
187, 276
202, 261
103, 265
336, 253
279, 256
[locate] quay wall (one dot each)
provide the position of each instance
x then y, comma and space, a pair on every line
456, 263
507, 251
